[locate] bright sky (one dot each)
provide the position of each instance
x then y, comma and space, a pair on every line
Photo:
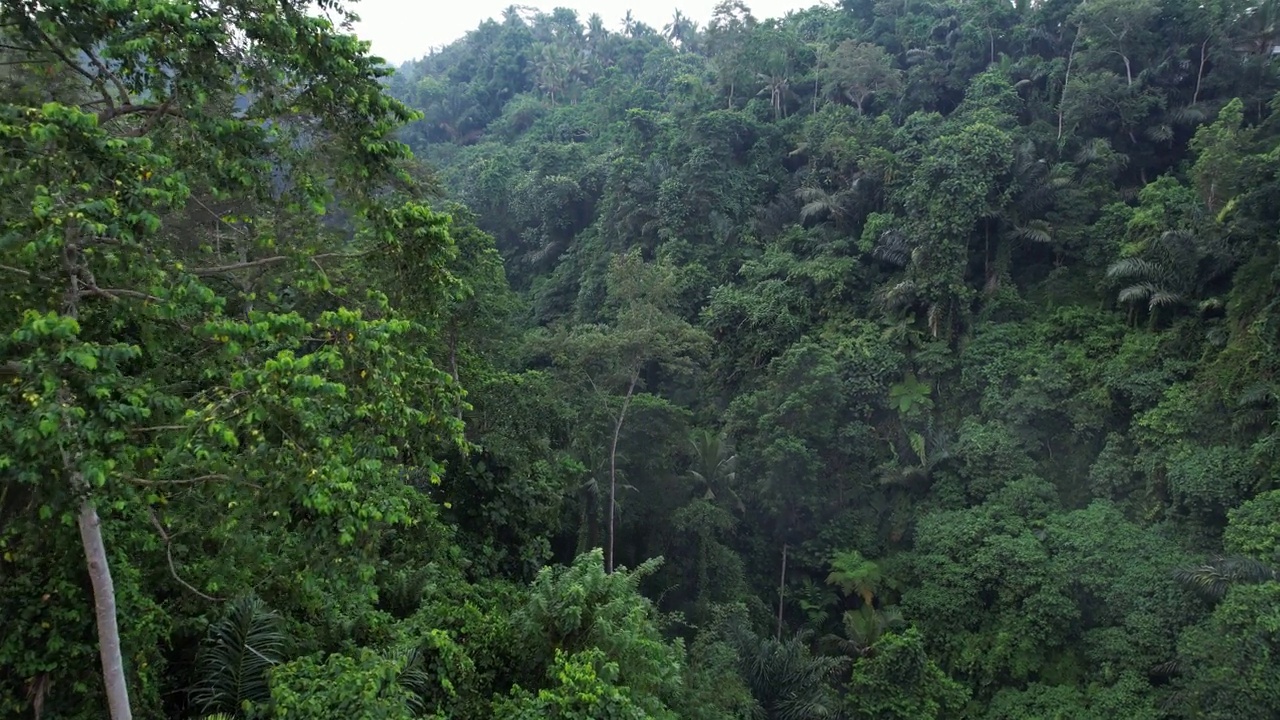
403, 30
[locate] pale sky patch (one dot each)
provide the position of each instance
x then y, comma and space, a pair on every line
403, 30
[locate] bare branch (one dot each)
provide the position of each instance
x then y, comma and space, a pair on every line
187, 481
173, 568
53, 48
203, 272
157, 428
115, 293
219, 218
156, 111
104, 72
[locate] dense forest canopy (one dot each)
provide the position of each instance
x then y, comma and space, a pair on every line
898, 359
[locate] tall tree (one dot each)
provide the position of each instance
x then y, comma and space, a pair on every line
158, 366
644, 338
859, 71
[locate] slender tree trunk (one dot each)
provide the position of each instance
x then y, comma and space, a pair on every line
90, 524
104, 605
1066, 79
782, 590
95, 549
453, 365
1195, 97
613, 463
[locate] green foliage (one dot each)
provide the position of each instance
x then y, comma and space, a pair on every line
855, 575
1230, 656
788, 681
965, 310
581, 607
1254, 528
585, 688
365, 687
900, 681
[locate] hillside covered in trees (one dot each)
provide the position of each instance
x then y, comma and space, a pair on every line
910, 359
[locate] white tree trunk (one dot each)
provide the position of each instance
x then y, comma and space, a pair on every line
104, 606
613, 464
782, 589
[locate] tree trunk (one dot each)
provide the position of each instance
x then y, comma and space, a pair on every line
90, 525
95, 550
104, 605
1066, 80
782, 589
613, 464
1200, 73
453, 366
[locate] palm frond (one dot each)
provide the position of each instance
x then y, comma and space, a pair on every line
1037, 231
1133, 267
809, 193
1160, 133
814, 208
1092, 150
1181, 238
1257, 394
1137, 293
1163, 298
1212, 579
239, 650
1189, 115
415, 678
1169, 668
894, 247
918, 55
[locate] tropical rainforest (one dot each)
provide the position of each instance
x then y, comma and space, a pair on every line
893, 359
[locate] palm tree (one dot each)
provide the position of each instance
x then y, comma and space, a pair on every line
838, 205
778, 86
1211, 580
596, 35
511, 14
856, 575
1163, 278
714, 468
681, 31
559, 70
789, 681
863, 628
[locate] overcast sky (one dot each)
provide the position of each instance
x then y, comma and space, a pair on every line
406, 29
